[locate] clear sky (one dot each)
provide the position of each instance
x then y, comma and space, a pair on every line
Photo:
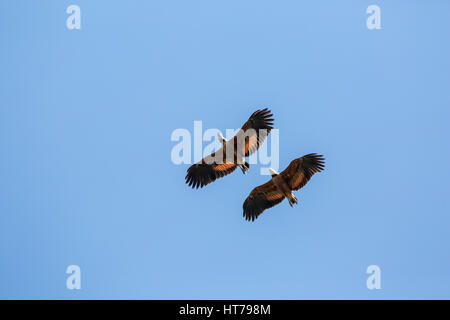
86, 176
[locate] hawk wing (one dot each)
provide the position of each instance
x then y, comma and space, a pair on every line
253, 133
300, 170
261, 198
206, 171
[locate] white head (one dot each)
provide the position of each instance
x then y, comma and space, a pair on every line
220, 136
273, 172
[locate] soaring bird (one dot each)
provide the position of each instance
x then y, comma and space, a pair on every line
233, 152
294, 177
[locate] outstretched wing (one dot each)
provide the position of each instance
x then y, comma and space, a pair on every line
254, 132
206, 171
261, 198
300, 170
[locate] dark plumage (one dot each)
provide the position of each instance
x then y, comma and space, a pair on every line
294, 177
248, 139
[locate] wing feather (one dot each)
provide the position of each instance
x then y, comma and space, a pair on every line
300, 170
261, 198
254, 131
206, 171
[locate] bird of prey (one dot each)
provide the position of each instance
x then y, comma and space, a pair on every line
233, 152
294, 177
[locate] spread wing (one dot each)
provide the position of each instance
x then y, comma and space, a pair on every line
300, 170
254, 132
261, 198
206, 171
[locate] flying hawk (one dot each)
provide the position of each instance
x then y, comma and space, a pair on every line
231, 155
294, 177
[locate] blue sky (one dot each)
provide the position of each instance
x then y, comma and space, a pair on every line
86, 176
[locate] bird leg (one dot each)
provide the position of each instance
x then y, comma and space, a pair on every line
292, 199
244, 167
